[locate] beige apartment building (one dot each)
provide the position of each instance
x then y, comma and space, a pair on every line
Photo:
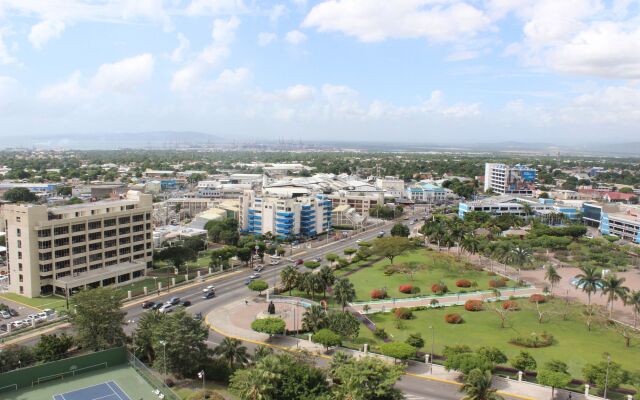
59, 249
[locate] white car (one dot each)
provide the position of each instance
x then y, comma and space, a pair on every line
254, 276
41, 317
275, 262
20, 324
5, 314
208, 289
167, 308
359, 240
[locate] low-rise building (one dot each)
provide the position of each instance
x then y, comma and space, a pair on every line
624, 223
346, 217
392, 186
426, 193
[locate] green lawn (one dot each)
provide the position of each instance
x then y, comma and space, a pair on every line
574, 344
438, 267
185, 392
53, 302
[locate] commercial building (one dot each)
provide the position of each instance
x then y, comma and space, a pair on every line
624, 223
346, 217
217, 189
305, 216
426, 193
362, 202
78, 246
392, 186
506, 179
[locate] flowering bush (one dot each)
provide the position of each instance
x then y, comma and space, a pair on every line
537, 298
497, 283
439, 288
473, 305
465, 283
407, 289
403, 313
378, 294
453, 318
511, 305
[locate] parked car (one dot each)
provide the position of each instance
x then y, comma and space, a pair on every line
275, 262
48, 311
380, 234
174, 301
209, 295
148, 304
3, 327
259, 269
13, 312
157, 306
209, 288
40, 317
19, 324
197, 316
317, 259
291, 259
166, 308
5, 314
186, 303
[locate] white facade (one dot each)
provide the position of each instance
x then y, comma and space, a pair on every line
506, 179
392, 186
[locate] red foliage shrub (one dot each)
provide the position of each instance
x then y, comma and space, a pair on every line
403, 313
407, 289
497, 283
473, 305
537, 298
378, 294
463, 283
453, 318
439, 288
510, 305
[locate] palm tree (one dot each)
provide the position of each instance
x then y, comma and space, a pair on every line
327, 277
306, 284
470, 243
289, 277
589, 281
261, 352
232, 351
314, 319
344, 292
633, 300
613, 289
519, 256
477, 386
552, 276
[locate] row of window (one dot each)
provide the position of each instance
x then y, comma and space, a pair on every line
97, 257
62, 230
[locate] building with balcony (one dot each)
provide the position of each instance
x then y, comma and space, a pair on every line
507, 179
60, 249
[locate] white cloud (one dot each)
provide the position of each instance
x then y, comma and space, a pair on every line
298, 93
295, 37
377, 20
215, 7
266, 38
5, 55
231, 79
70, 89
612, 105
125, 75
9, 89
44, 31
276, 12
224, 31
183, 45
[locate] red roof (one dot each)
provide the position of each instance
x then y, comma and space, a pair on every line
617, 196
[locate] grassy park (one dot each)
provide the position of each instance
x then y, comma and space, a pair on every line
573, 343
434, 267
53, 302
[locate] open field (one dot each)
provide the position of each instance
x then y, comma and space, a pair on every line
53, 302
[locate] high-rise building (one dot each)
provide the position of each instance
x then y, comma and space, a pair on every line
507, 179
305, 216
59, 249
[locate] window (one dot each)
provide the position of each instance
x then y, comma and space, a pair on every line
96, 257
148, 216
79, 249
125, 250
77, 228
17, 219
124, 231
95, 224
95, 266
109, 222
63, 264
80, 260
42, 233
110, 233
20, 278
124, 220
62, 242
18, 232
62, 253
78, 239
95, 236
125, 240
21, 290
46, 267
138, 218
61, 230
95, 246
19, 255
19, 242
110, 254
19, 266
44, 256
110, 243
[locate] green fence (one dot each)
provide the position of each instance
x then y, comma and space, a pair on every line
69, 367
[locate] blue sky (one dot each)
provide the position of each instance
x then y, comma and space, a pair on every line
444, 71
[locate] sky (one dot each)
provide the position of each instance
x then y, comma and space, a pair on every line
427, 71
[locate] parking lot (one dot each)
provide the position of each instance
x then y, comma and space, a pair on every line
23, 312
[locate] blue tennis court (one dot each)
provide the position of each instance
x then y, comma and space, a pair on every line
103, 391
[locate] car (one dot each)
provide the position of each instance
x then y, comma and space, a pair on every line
209, 288
248, 281
291, 259
174, 301
317, 259
186, 303
209, 295
40, 317
48, 311
19, 324
299, 261
148, 304
274, 262
157, 306
258, 267
254, 276
5, 314
3, 327
359, 240
31, 316
13, 312
197, 316
380, 234
166, 308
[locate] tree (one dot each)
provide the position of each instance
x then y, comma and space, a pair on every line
391, 247
466, 362
343, 323
552, 276
399, 350
470, 243
344, 292
415, 340
15, 356
194, 243
314, 319
597, 374
477, 386
232, 352
98, 318
177, 255
524, 362
244, 255
270, 326
589, 281
220, 257
327, 278
633, 300
53, 347
349, 251
144, 335
20, 195
492, 354
258, 286
327, 338
501, 312
261, 351
185, 343
555, 379
331, 257
289, 278
410, 268
364, 379
400, 230
613, 289
311, 264
519, 256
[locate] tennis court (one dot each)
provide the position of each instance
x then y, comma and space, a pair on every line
102, 391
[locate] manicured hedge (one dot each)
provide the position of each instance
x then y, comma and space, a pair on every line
378, 294
473, 305
403, 313
464, 283
439, 288
497, 283
453, 318
537, 298
511, 305
409, 289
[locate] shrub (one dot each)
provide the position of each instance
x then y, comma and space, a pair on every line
258, 286
465, 283
380, 333
271, 326
473, 305
537, 298
327, 338
398, 350
450, 351
453, 318
524, 362
434, 303
497, 283
466, 362
510, 305
491, 273
378, 294
439, 288
406, 289
403, 313
534, 340
415, 340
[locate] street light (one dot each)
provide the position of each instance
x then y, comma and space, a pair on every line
433, 340
164, 351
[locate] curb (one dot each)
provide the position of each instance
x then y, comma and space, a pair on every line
289, 349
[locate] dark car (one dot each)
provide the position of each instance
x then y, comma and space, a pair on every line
248, 281
299, 261
209, 295
156, 306
13, 312
186, 303
148, 304
197, 316
3, 327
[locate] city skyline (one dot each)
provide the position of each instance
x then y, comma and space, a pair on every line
439, 71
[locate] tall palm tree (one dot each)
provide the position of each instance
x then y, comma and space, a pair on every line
520, 256
327, 277
232, 351
633, 300
344, 292
477, 386
613, 289
470, 243
305, 283
552, 276
589, 281
314, 319
289, 277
